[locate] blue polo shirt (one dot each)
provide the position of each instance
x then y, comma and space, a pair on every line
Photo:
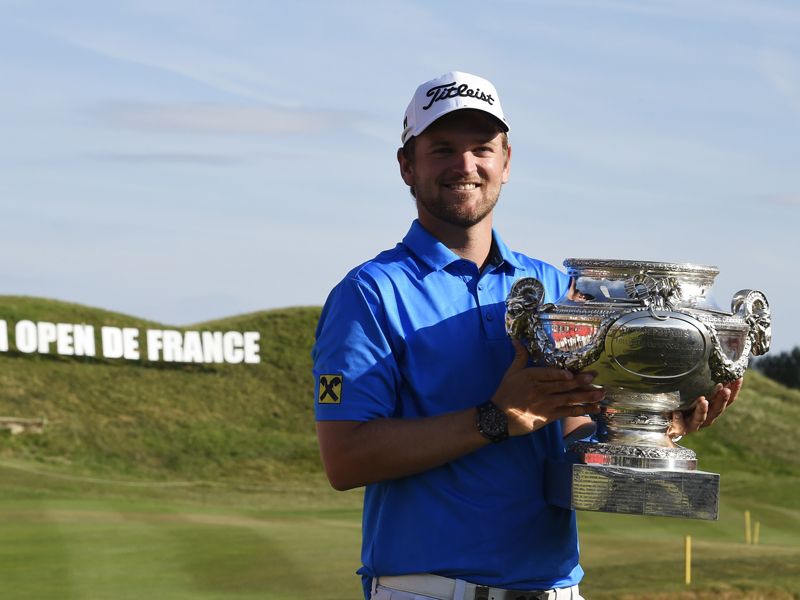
419, 331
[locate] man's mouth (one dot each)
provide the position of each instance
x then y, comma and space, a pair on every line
462, 187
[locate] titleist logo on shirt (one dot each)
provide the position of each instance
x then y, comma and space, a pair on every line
451, 90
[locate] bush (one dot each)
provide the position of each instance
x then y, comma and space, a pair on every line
783, 368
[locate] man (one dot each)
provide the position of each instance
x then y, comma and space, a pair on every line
422, 397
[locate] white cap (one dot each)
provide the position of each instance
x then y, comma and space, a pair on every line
451, 91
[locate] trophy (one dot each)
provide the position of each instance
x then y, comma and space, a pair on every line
657, 341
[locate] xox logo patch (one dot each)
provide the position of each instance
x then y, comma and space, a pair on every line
330, 389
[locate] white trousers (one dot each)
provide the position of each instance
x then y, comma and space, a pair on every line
381, 592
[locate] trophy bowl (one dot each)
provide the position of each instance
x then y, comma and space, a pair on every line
657, 341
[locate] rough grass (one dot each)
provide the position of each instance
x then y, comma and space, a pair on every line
204, 482
137, 419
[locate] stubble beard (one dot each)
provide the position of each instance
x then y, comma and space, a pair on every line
455, 213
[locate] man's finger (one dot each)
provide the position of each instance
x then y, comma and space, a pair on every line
577, 410
714, 400
560, 388
579, 397
698, 415
677, 426
542, 374
521, 356
735, 387
717, 405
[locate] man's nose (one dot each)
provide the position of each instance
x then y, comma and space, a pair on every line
464, 162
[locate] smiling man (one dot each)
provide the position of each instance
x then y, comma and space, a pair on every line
423, 398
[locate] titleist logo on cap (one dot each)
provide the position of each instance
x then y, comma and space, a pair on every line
450, 90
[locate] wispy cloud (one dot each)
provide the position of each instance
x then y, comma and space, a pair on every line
720, 11
188, 158
782, 72
791, 199
207, 66
219, 118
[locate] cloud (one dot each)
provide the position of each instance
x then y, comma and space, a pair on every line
784, 199
782, 72
189, 158
219, 118
203, 65
750, 12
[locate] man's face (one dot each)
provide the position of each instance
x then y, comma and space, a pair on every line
458, 166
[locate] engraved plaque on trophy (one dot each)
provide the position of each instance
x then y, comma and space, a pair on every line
657, 342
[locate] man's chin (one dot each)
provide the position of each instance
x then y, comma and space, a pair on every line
459, 214
463, 220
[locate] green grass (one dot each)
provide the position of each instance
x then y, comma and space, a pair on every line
71, 539
626, 554
176, 481
161, 420
65, 537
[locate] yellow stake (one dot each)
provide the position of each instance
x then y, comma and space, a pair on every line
688, 559
747, 537
756, 532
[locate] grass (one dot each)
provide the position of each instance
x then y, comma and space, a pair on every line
157, 420
187, 481
626, 555
65, 537
207, 544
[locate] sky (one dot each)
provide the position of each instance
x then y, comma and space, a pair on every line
184, 161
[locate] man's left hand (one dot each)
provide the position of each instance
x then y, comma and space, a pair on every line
705, 412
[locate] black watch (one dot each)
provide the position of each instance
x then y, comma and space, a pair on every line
492, 422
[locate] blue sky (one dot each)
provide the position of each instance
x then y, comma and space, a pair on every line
183, 161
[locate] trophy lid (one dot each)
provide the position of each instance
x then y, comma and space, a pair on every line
616, 268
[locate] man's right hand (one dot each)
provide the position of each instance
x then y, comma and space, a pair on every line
358, 453
532, 397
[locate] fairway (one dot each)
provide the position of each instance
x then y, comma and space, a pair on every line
67, 539
73, 538
172, 482
107, 551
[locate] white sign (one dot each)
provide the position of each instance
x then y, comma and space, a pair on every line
162, 345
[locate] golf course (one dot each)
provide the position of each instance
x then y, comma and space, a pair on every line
203, 481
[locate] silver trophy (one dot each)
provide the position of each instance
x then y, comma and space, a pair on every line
657, 341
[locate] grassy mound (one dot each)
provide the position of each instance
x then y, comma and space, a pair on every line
124, 418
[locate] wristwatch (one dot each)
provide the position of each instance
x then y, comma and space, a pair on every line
492, 422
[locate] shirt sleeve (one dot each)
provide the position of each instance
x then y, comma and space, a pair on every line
559, 285
355, 371
556, 282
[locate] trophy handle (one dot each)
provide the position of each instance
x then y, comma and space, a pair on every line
753, 307
523, 305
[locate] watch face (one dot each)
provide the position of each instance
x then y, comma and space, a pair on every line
492, 422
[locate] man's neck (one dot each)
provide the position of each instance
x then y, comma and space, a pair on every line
472, 243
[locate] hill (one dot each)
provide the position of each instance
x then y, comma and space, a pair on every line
120, 418
245, 422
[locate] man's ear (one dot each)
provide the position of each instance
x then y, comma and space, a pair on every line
406, 168
507, 167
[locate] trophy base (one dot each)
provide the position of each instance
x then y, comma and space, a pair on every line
629, 455
633, 491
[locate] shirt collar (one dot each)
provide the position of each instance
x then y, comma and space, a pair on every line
505, 253
437, 256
